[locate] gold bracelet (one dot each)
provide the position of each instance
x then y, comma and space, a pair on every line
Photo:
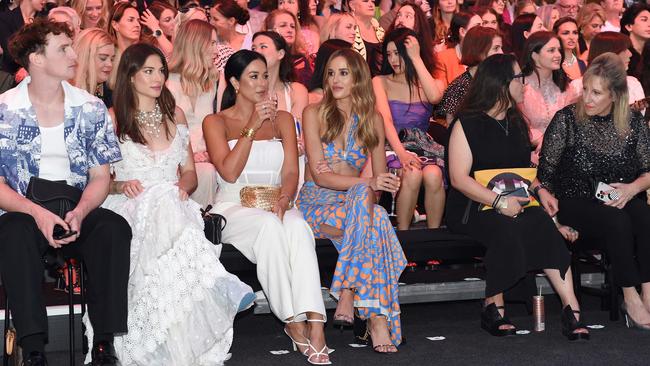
248, 132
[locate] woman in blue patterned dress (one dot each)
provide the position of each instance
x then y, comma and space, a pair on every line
340, 133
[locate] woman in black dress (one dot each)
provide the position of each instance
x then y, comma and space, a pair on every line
600, 140
490, 134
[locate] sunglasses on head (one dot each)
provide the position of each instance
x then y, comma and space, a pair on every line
187, 7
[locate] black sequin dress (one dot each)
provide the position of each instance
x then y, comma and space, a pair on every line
455, 93
577, 155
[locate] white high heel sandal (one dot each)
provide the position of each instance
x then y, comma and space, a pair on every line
316, 355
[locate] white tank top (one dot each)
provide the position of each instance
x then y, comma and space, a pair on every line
55, 163
263, 168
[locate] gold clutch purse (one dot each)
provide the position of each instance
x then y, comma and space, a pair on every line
262, 197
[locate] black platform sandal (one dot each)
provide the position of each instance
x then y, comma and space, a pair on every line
491, 320
570, 324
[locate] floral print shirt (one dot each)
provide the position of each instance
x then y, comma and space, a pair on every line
88, 131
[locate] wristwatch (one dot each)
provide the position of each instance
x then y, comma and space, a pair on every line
157, 33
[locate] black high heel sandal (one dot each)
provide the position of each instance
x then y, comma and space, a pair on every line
491, 320
570, 324
341, 322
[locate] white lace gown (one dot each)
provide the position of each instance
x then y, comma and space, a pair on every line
182, 302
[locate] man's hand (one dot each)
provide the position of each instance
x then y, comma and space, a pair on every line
46, 220
74, 219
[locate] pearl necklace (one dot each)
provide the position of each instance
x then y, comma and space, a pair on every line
150, 121
571, 61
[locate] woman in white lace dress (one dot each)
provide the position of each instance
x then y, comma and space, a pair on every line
182, 302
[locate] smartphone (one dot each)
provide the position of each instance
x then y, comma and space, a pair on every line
60, 233
602, 192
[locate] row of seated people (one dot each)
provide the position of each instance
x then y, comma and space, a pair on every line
341, 160
441, 50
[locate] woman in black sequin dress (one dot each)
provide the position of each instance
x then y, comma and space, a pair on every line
600, 140
490, 134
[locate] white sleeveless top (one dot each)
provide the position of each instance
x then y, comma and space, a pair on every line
55, 163
263, 168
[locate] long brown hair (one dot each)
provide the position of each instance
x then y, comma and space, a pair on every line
116, 15
363, 102
125, 101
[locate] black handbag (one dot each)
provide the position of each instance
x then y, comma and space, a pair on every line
214, 225
55, 196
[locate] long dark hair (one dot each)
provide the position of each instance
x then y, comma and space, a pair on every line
491, 87
287, 73
521, 24
535, 43
325, 50
398, 36
125, 101
424, 30
304, 16
235, 66
458, 21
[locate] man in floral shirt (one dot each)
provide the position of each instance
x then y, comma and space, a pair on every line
52, 130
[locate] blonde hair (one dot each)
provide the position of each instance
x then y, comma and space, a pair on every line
610, 69
80, 7
198, 75
363, 102
332, 24
298, 46
588, 12
70, 13
86, 45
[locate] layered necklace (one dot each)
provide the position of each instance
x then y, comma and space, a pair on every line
151, 121
569, 62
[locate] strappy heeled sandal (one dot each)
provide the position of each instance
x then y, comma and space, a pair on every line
377, 347
492, 320
315, 356
296, 345
343, 321
322, 351
570, 324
